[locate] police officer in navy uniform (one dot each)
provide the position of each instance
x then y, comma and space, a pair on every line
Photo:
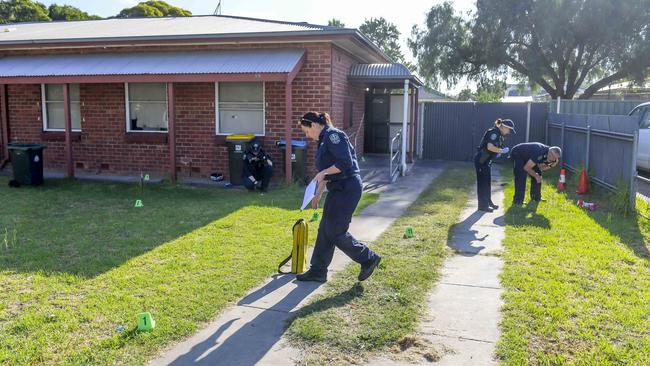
338, 169
532, 158
491, 146
258, 167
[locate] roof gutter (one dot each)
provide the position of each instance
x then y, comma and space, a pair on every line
194, 38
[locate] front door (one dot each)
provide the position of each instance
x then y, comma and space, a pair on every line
377, 129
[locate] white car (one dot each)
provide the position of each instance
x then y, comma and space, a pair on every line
642, 111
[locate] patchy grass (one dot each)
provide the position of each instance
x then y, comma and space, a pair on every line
367, 199
351, 319
577, 283
77, 260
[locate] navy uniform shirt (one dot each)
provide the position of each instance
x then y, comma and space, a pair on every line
535, 151
494, 137
334, 148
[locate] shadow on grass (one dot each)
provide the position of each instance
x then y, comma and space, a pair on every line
334, 301
88, 228
265, 329
526, 215
625, 226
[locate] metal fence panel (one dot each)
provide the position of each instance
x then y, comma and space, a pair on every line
538, 117
602, 107
448, 131
452, 130
611, 158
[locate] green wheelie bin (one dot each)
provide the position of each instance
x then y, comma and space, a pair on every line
27, 163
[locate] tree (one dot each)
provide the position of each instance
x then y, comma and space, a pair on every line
559, 45
16, 11
487, 91
67, 12
154, 9
385, 35
335, 23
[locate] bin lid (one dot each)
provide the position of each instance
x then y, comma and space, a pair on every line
16, 146
294, 143
239, 137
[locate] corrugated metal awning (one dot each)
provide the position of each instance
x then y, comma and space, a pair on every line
394, 72
153, 63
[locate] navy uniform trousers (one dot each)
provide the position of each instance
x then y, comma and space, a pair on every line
520, 182
483, 181
263, 174
340, 203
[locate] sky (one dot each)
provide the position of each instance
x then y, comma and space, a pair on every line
351, 12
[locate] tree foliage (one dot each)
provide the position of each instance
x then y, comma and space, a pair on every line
559, 45
154, 9
68, 12
486, 91
17, 11
335, 23
385, 35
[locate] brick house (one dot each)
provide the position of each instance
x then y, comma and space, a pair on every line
159, 95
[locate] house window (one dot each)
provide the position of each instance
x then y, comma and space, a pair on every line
53, 115
240, 108
146, 107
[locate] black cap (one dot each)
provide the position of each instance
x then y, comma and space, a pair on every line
509, 124
255, 146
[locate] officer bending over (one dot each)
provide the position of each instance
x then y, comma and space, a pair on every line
258, 167
532, 158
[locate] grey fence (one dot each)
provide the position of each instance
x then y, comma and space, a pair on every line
452, 130
601, 107
605, 145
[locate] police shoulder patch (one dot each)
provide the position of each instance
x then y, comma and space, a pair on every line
335, 138
493, 136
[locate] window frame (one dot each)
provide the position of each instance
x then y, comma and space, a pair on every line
44, 111
217, 121
127, 108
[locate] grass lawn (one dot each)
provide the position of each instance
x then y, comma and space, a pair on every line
77, 260
351, 320
577, 284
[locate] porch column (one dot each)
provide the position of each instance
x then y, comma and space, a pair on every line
171, 129
412, 130
68, 129
4, 125
405, 125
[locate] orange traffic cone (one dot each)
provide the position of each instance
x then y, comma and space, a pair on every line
561, 182
583, 184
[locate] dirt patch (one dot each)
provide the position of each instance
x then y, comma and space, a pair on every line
414, 348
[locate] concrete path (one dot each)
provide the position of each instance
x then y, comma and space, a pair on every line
464, 307
250, 332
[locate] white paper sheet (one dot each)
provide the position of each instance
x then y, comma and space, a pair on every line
310, 192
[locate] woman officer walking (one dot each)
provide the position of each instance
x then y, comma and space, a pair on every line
338, 169
491, 145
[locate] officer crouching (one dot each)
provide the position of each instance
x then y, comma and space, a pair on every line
258, 167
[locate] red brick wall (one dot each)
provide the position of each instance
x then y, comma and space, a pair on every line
344, 92
321, 85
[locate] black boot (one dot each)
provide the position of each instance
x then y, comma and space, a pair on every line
368, 267
485, 209
312, 276
493, 206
